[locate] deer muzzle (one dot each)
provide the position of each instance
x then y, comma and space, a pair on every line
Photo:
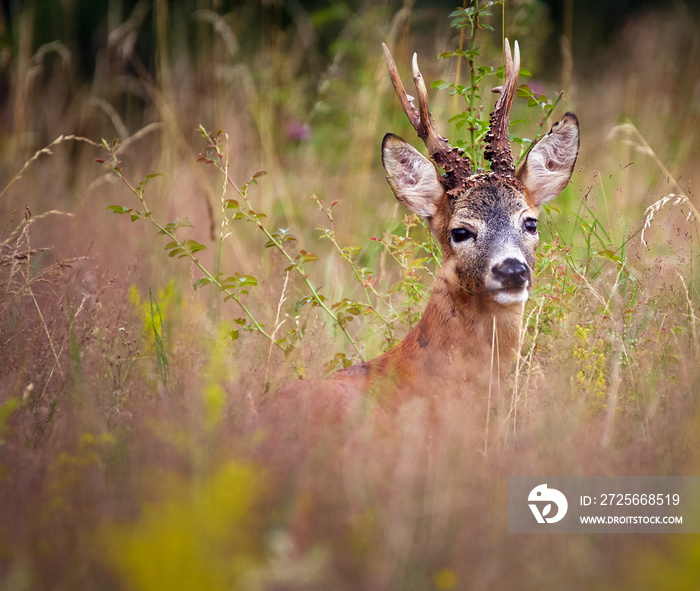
510, 281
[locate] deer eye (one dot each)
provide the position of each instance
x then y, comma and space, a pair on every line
462, 234
530, 225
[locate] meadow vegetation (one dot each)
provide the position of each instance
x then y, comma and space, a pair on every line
199, 215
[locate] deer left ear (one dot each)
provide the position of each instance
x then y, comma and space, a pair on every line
412, 177
551, 161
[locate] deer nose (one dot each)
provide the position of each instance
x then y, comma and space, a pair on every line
511, 274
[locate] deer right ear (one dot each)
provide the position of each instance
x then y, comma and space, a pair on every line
549, 164
413, 178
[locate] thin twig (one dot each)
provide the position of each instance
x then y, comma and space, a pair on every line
46, 150
278, 325
488, 402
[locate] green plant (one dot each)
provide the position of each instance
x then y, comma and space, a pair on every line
218, 486
234, 287
473, 18
403, 249
281, 239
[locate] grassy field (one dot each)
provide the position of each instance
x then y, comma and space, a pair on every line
156, 291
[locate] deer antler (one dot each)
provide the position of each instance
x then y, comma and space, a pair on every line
497, 142
457, 165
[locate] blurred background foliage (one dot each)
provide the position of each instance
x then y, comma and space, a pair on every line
141, 443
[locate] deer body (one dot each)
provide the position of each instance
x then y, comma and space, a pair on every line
486, 225
450, 348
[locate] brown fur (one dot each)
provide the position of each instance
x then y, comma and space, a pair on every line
486, 227
466, 339
451, 347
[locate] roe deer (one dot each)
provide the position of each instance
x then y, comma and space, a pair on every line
486, 225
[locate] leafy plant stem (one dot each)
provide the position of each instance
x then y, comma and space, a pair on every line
458, 73
330, 234
472, 78
222, 166
548, 110
147, 214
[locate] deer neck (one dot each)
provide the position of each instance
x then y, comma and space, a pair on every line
460, 338
467, 326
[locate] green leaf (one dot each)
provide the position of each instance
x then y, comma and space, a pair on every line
609, 254
148, 177
302, 302
120, 209
193, 246
306, 257
523, 91
238, 283
281, 236
308, 300
248, 280
441, 85
462, 12
340, 360
254, 216
201, 282
173, 226
351, 252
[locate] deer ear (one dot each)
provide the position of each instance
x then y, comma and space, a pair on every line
551, 161
413, 178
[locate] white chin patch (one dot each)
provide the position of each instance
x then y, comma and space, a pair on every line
511, 297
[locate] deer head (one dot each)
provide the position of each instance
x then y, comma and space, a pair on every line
485, 222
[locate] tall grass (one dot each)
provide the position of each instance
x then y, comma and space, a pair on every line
142, 445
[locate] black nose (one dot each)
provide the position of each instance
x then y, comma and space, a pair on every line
512, 274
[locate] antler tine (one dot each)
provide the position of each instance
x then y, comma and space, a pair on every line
433, 140
405, 100
457, 167
497, 143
